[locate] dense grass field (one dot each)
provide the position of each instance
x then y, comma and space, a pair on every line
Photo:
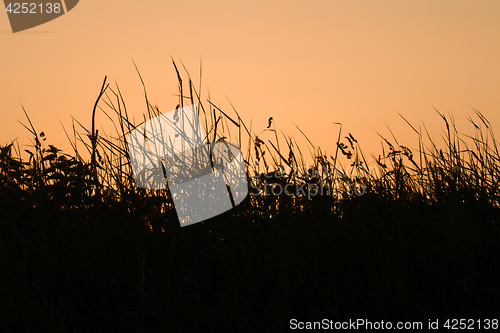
84, 249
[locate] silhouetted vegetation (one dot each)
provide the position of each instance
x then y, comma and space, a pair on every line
411, 235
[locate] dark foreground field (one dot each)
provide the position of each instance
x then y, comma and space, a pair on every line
82, 249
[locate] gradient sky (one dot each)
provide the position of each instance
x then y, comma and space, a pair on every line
306, 62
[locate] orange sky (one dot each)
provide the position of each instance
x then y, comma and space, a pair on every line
311, 63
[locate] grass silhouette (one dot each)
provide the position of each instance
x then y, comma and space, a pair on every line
411, 236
